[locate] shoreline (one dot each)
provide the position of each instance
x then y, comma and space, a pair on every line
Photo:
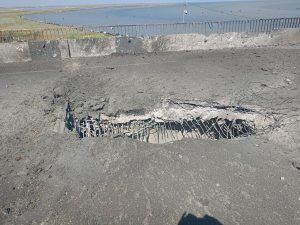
14, 18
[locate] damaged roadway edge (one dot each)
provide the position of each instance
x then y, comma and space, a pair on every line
52, 176
174, 121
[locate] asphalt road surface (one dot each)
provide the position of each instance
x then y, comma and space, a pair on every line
50, 176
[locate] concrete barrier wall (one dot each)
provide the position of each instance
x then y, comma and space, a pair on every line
44, 50
286, 37
14, 52
91, 47
62, 49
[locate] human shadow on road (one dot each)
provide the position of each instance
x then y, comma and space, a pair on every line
190, 219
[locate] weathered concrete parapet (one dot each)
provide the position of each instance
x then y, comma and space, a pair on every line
286, 36
192, 42
130, 45
182, 42
44, 50
62, 49
14, 52
92, 47
155, 44
63, 46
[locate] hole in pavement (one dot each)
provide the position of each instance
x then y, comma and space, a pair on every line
158, 131
173, 121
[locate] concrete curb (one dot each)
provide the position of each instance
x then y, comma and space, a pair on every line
62, 49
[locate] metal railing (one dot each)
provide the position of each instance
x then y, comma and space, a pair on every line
206, 28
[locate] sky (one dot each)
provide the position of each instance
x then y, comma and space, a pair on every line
30, 3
